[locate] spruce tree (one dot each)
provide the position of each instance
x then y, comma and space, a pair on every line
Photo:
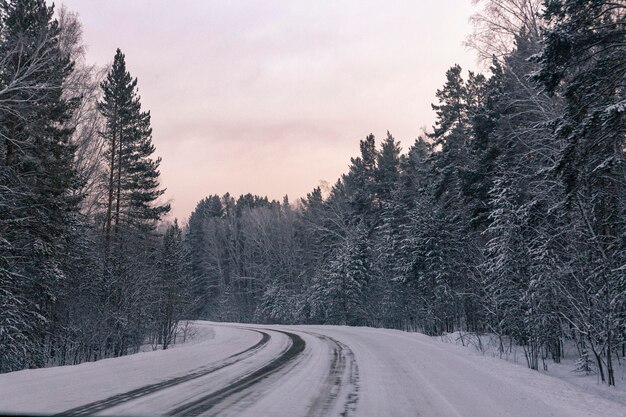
479, 174
341, 286
360, 182
387, 169
201, 221
37, 202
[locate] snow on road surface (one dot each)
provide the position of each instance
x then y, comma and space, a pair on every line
249, 370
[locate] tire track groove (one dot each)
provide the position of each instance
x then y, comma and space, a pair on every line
207, 402
97, 406
343, 377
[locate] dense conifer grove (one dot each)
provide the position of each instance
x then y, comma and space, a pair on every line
507, 218
84, 274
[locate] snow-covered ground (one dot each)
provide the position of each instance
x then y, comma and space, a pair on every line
487, 345
239, 370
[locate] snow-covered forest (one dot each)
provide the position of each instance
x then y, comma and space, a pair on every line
508, 217
84, 274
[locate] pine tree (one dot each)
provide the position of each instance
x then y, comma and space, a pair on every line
451, 111
444, 257
451, 135
116, 107
479, 175
132, 210
133, 175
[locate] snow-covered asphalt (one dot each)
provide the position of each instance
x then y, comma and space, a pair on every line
249, 370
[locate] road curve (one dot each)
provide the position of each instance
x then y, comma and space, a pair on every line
308, 371
97, 406
207, 402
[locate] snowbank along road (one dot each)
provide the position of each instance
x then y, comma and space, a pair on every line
241, 370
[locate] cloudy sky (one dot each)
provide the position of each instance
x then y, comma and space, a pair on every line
272, 96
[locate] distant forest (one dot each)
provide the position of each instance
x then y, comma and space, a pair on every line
508, 217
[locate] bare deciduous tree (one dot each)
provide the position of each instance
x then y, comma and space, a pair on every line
499, 22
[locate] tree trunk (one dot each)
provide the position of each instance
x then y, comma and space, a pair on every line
119, 183
10, 155
609, 361
111, 177
598, 360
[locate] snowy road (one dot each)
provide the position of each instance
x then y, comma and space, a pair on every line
236, 370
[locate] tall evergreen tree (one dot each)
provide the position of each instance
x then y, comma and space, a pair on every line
133, 175
205, 256
360, 182
131, 212
387, 170
37, 203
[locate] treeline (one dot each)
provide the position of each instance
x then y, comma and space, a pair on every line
84, 274
508, 218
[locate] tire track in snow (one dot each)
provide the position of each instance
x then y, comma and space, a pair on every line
206, 403
97, 406
342, 381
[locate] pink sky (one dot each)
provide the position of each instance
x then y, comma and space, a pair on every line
271, 97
